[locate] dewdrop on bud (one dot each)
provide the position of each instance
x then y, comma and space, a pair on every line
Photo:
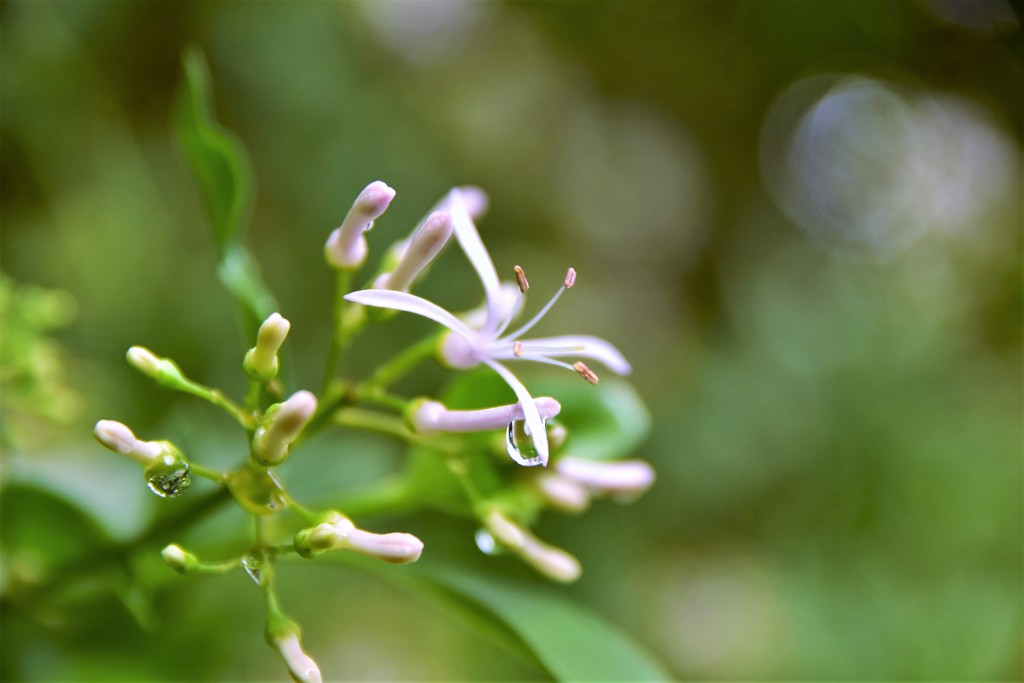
346, 247
337, 532
422, 247
260, 361
431, 417
168, 474
281, 426
301, 666
178, 559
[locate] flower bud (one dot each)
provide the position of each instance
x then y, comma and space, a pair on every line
260, 361
281, 426
562, 493
504, 530
346, 247
337, 532
120, 439
431, 417
301, 666
608, 477
178, 559
552, 562
163, 370
420, 251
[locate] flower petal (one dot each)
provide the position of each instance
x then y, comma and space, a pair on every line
532, 416
581, 346
410, 303
476, 252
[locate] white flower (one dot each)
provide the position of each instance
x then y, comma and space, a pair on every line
486, 341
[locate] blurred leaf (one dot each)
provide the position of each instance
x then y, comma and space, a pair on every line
572, 643
240, 274
217, 159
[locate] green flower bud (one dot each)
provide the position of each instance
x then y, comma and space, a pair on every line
261, 361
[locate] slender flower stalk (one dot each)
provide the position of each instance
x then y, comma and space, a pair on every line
431, 417
346, 246
487, 342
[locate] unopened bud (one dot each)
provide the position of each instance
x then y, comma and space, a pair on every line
562, 493
260, 361
301, 666
337, 532
585, 372
423, 246
281, 426
163, 370
178, 559
346, 247
120, 439
430, 417
608, 477
552, 562
504, 530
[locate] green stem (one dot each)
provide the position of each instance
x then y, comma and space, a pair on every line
217, 398
252, 396
338, 337
207, 473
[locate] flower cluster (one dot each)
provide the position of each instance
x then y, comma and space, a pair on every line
505, 498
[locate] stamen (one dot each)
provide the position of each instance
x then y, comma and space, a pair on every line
521, 279
517, 349
585, 372
570, 278
536, 319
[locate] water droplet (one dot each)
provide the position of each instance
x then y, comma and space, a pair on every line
486, 542
253, 566
257, 490
520, 444
169, 476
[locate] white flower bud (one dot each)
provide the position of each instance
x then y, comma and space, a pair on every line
562, 493
346, 247
421, 249
504, 530
337, 532
280, 427
145, 361
430, 417
301, 666
178, 559
552, 562
608, 477
260, 361
118, 438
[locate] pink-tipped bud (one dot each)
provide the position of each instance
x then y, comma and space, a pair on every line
301, 666
423, 246
346, 247
280, 427
337, 532
120, 439
504, 530
562, 493
608, 477
552, 562
431, 417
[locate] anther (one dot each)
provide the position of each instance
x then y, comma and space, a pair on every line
570, 278
517, 349
585, 372
521, 279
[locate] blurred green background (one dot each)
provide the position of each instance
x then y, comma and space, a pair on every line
800, 220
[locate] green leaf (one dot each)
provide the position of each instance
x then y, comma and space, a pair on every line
604, 421
217, 159
569, 641
240, 274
